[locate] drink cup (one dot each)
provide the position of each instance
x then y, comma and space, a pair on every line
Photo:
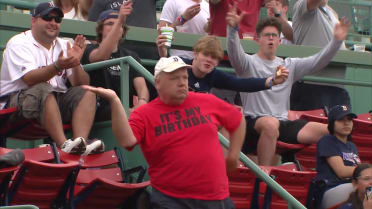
168, 32
248, 36
359, 47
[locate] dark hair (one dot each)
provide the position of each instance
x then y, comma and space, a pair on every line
354, 199
266, 22
331, 129
99, 31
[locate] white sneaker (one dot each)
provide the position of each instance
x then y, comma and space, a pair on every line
94, 146
75, 146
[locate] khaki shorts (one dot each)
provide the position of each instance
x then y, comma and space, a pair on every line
31, 102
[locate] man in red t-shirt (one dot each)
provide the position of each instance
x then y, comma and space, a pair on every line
177, 133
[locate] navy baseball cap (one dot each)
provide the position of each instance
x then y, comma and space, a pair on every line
45, 7
338, 112
107, 15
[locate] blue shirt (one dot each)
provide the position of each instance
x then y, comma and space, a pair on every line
221, 80
329, 146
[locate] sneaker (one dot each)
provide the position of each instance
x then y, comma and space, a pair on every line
76, 146
94, 146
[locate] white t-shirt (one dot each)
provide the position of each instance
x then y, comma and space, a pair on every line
71, 15
174, 8
23, 54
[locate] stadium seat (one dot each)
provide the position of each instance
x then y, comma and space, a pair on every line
102, 181
307, 157
294, 114
24, 129
5, 176
365, 116
362, 137
244, 188
295, 182
105, 193
42, 184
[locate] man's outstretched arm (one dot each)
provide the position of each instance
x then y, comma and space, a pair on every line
120, 125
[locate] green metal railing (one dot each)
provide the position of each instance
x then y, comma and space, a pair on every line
292, 202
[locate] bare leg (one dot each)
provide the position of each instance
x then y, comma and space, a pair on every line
311, 133
268, 129
52, 120
254, 158
83, 116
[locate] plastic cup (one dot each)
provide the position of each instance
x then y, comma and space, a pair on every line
248, 36
359, 47
168, 32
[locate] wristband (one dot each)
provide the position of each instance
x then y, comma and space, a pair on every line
181, 19
59, 69
271, 83
236, 28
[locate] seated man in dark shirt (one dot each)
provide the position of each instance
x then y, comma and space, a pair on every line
111, 29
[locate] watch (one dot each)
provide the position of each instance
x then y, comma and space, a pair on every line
278, 14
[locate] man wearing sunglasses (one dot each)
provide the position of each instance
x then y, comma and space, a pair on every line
266, 112
34, 73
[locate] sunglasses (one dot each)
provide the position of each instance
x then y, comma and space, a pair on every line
48, 18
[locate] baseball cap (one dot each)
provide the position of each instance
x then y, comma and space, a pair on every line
45, 7
169, 64
340, 111
107, 15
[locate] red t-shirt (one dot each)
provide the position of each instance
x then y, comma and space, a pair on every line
180, 144
247, 25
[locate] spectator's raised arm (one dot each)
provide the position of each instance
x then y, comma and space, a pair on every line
109, 43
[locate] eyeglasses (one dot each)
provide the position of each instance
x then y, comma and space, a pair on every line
267, 35
109, 23
48, 18
365, 178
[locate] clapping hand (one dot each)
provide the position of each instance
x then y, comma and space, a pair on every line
190, 12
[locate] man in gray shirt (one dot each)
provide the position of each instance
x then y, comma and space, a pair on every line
267, 111
313, 23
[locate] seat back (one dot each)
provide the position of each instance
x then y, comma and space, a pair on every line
362, 137
294, 114
307, 157
242, 187
41, 154
99, 183
295, 182
105, 193
42, 184
23, 129
365, 116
